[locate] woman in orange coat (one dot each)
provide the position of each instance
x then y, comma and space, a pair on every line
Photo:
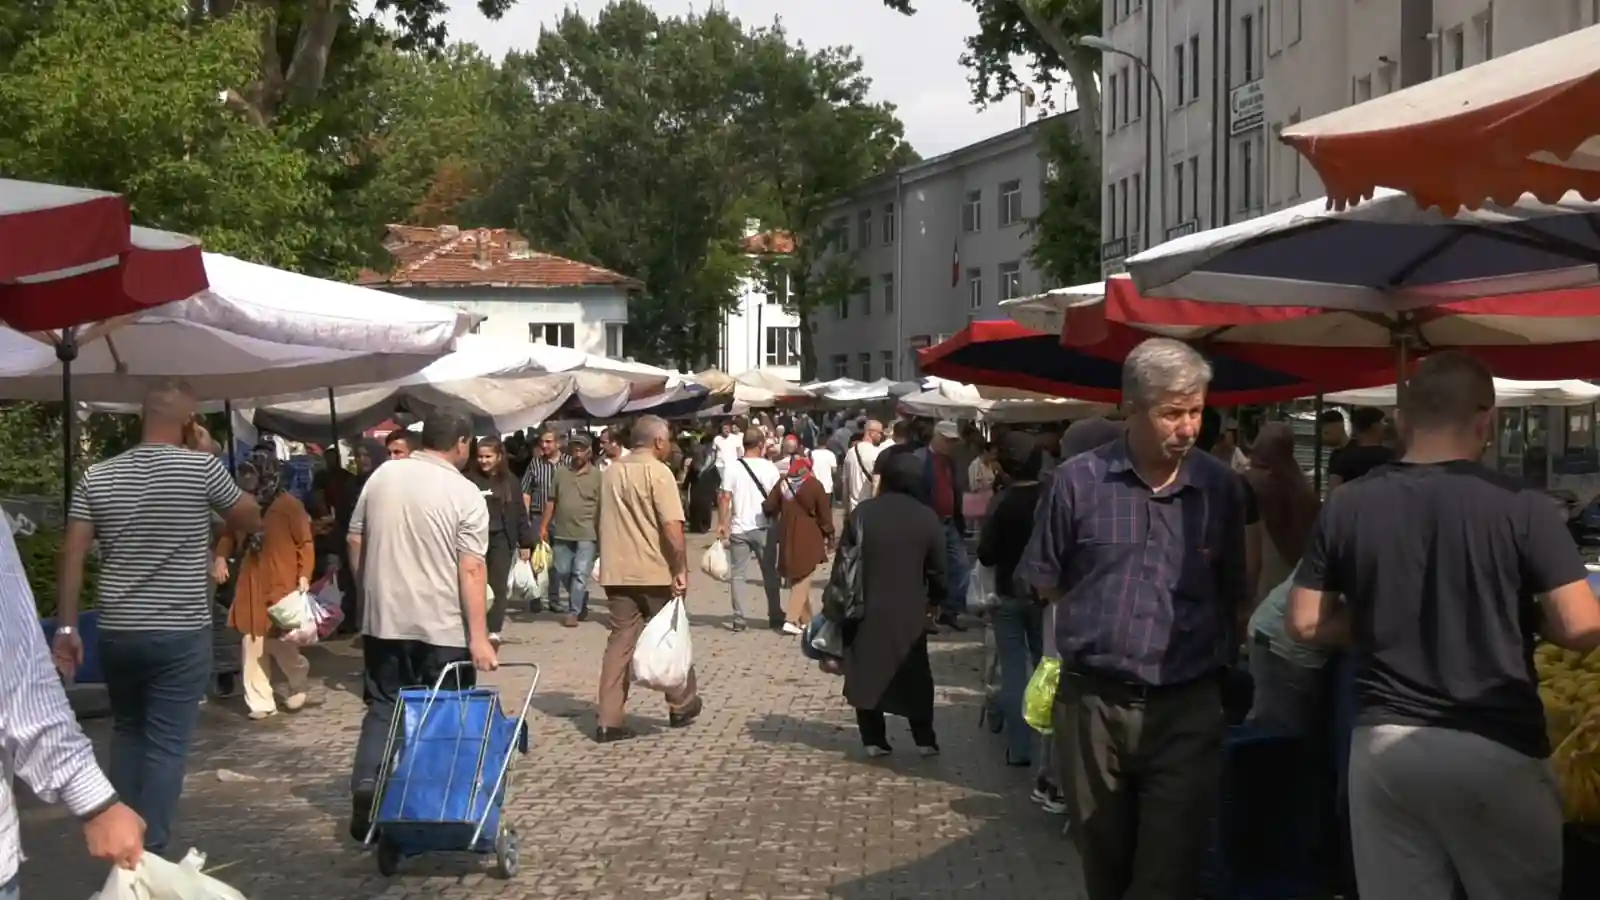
276, 561
804, 529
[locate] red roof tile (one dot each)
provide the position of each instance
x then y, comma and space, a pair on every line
769, 243
448, 256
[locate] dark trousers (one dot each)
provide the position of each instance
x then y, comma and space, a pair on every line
498, 561
155, 681
388, 667
875, 730
1141, 769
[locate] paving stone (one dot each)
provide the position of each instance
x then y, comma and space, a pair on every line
765, 796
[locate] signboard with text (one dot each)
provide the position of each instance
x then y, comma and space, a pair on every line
1247, 107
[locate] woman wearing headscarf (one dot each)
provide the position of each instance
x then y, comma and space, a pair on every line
511, 534
275, 562
901, 555
803, 514
1286, 500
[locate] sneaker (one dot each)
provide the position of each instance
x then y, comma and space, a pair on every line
1055, 806
257, 715
494, 639
876, 751
361, 814
295, 702
928, 750
737, 626
680, 719
1040, 795
791, 628
571, 621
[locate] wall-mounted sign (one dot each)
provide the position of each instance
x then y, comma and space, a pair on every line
1183, 228
921, 341
1112, 267
1247, 107
1114, 249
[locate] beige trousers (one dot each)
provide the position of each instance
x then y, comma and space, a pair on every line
258, 677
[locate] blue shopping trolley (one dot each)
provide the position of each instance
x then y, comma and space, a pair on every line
447, 773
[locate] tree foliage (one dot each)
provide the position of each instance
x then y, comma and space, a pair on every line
1040, 35
1066, 233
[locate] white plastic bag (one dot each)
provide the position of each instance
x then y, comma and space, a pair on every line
714, 562
594, 571
157, 879
293, 611
980, 590
662, 659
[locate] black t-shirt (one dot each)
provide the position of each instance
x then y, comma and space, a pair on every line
1355, 460
1006, 531
1440, 564
889, 453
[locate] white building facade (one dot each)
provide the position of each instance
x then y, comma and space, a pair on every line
761, 332
1191, 143
935, 246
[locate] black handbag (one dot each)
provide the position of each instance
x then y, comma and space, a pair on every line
843, 597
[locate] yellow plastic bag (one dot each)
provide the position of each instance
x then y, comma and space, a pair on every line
541, 558
1577, 764
1041, 695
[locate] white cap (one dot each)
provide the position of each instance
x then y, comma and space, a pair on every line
947, 429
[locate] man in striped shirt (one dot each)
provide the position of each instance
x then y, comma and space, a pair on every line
150, 511
538, 484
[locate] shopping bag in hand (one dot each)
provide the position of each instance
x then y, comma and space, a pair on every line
1040, 695
157, 879
541, 558
823, 640
714, 562
980, 591
663, 658
527, 583
292, 612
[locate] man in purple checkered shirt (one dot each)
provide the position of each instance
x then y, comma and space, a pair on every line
1140, 545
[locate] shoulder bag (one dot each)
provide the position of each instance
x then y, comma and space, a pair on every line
844, 597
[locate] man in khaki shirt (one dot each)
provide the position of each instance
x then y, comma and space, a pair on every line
417, 542
643, 565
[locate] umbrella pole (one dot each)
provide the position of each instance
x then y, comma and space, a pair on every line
1316, 449
66, 352
333, 424
227, 412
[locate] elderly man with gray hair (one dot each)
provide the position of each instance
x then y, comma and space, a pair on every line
1140, 546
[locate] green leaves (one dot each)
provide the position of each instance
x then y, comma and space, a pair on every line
1066, 232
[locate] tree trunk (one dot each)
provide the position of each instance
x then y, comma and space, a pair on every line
1082, 68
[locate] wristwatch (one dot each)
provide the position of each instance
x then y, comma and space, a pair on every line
66, 629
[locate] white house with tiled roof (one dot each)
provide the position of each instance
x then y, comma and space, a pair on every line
523, 294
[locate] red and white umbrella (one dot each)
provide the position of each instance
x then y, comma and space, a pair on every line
69, 256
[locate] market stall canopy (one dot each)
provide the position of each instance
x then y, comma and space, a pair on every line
255, 331
1046, 312
1545, 335
1507, 394
726, 389
1522, 123
952, 400
780, 388
1382, 256
850, 392
70, 256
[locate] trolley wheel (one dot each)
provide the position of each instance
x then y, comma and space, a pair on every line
388, 857
505, 852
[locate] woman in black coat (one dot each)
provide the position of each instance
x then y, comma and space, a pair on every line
511, 534
886, 669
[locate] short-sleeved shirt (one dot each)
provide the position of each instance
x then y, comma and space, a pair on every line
1152, 581
1440, 564
1355, 460
638, 495
417, 517
151, 509
577, 499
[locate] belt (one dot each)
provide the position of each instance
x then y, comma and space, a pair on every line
1116, 686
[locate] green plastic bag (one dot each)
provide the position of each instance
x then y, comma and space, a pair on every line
1041, 695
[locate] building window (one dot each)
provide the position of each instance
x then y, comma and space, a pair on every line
841, 366
1111, 94
1177, 194
1136, 205
783, 346
1194, 67
864, 229
865, 361
777, 288
843, 306
1247, 174
1110, 195
1194, 188
1293, 160
888, 363
556, 334
614, 332
888, 224
841, 235
1124, 91
975, 288
1010, 280
1247, 41
972, 212
1122, 208
1138, 94
1010, 203
1361, 89
1457, 44
888, 292
1182, 71
864, 297
1486, 33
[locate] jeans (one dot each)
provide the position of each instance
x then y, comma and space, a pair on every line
155, 681
12, 890
572, 562
388, 666
957, 570
762, 545
1020, 640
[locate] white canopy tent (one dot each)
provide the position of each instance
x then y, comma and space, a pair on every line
256, 331
1507, 394
953, 400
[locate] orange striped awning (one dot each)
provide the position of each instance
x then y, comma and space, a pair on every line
1525, 123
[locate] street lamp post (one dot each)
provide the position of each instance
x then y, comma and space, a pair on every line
1096, 42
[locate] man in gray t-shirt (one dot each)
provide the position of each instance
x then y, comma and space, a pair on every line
571, 516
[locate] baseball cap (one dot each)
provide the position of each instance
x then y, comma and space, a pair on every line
947, 429
579, 439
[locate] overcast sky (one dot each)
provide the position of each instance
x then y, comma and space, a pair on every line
913, 61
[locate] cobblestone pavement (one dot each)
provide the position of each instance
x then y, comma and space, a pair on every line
766, 796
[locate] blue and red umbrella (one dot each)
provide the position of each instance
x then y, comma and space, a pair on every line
1005, 354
